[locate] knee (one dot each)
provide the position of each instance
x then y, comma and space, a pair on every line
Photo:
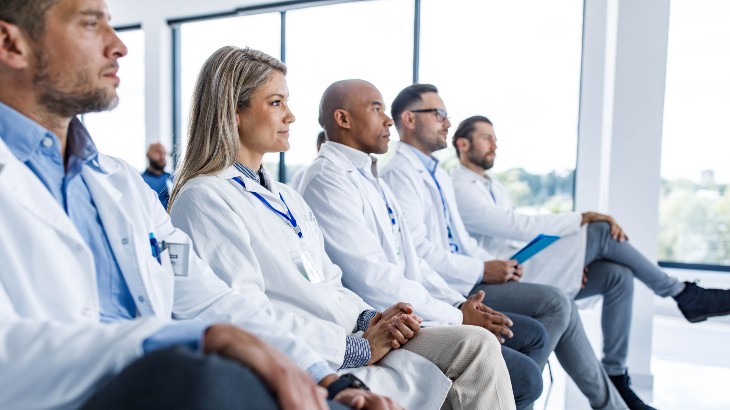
478, 341
558, 302
622, 279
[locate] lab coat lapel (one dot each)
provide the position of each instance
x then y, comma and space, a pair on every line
427, 179
130, 248
20, 183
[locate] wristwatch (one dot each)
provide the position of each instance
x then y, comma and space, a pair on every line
346, 381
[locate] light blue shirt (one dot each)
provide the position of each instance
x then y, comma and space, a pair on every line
40, 151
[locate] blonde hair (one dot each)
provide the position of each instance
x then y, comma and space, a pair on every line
224, 87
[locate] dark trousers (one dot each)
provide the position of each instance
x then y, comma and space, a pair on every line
177, 378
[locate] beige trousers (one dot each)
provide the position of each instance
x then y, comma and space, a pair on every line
472, 358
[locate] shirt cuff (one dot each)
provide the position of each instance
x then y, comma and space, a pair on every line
357, 352
364, 319
186, 333
319, 371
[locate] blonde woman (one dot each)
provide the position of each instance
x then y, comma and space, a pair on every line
262, 239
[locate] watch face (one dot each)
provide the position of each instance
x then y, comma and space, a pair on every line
355, 382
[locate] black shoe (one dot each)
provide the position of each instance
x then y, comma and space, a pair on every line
697, 304
623, 385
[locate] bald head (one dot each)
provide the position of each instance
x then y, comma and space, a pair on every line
352, 112
157, 156
341, 95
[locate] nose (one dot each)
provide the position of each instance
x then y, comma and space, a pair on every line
116, 48
447, 123
290, 118
388, 121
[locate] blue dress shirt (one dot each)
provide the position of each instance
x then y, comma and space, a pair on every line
40, 151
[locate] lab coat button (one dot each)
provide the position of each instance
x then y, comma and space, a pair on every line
125, 241
79, 247
85, 311
141, 299
47, 142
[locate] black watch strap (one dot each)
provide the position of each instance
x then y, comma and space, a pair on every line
345, 381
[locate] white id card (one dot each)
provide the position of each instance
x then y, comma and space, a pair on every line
308, 266
179, 257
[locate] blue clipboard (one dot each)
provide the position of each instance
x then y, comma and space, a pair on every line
536, 245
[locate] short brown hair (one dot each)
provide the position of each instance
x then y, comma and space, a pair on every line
29, 15
466, 127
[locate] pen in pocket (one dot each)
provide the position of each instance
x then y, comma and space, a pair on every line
155, 248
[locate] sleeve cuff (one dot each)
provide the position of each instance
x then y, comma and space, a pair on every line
186, 333
357, 352
319, 371
364, 319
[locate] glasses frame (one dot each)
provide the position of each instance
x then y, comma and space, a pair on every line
441, 114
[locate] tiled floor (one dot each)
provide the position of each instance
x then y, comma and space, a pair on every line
690, 364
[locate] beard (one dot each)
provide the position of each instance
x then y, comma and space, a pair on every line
479, 160
70, 103
157, 165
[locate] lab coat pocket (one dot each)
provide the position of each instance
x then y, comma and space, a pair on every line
162, 280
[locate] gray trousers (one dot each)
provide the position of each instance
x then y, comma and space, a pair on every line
559, 316
177, 378
612, 266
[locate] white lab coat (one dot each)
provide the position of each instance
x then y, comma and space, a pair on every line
54, 351
502, 230
359, 237
256, 251
419, 197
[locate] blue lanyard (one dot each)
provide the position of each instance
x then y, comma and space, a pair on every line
452, 244
391, 214
288, 215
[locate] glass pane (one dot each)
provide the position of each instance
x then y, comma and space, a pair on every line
121, 132
517, 63
198, 40
694, 210
370, 40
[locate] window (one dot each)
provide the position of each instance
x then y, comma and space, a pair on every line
694, 206
370, 40
517, 63
121, 131
198, 40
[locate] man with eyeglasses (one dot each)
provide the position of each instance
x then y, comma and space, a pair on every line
426, 196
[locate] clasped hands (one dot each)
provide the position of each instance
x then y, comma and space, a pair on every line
391, 329
477, 313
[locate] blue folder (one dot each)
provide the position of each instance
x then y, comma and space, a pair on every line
536, 245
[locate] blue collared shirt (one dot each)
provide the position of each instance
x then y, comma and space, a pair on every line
40, 151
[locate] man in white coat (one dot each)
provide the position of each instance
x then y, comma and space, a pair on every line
361, 222
587, 239
91, 310
424, 191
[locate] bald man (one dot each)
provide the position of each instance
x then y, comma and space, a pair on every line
361, 222
155, 175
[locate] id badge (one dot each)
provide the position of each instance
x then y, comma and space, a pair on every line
179, 257
311, 271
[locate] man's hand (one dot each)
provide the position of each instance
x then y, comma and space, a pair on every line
500, 271
477, 314
617, 233
293, 387
385, 335
363, 399
585, 278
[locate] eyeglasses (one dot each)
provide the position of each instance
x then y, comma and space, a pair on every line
441, 115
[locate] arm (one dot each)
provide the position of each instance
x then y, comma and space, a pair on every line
481, 216
352, 244
207, 218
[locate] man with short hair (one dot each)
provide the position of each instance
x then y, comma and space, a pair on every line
155, 175
587, 239
92, 310
365, 235
427, 197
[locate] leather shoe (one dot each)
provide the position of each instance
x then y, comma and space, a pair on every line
697, 303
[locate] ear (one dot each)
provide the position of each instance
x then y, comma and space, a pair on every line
15, 48
463, 144
342, 118
408, 120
